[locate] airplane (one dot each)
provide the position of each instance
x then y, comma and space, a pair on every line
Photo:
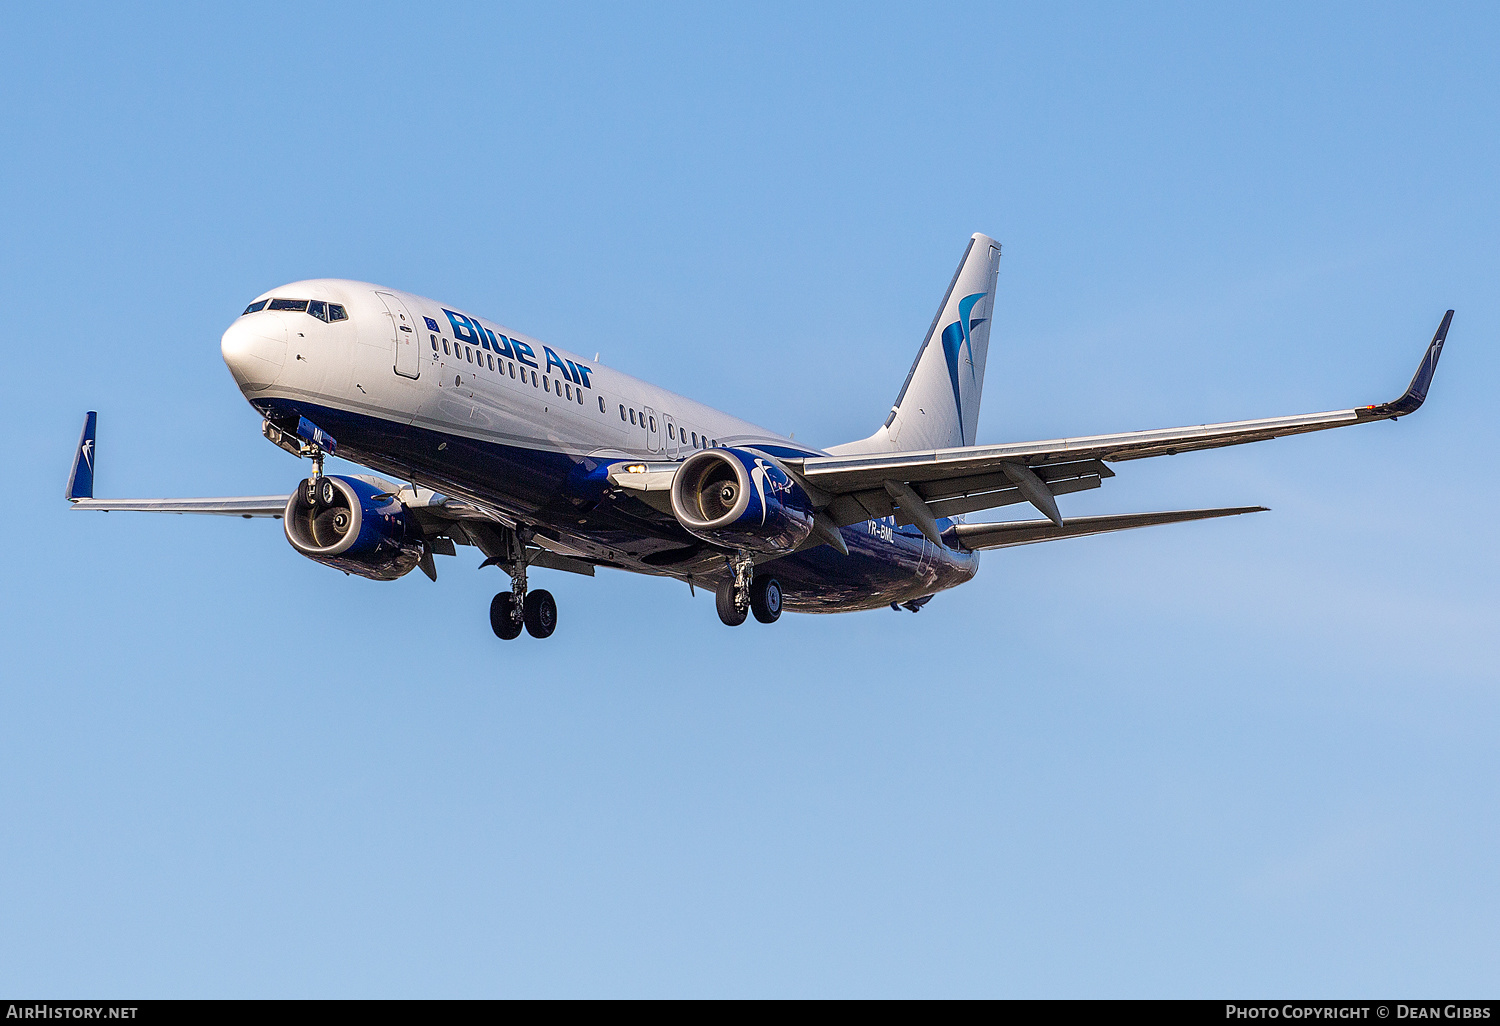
540, 458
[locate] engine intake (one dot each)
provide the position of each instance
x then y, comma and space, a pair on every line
350, 524
740, 499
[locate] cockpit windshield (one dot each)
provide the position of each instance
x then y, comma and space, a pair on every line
316, 307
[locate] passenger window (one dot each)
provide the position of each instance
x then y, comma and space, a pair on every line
622, 411
671, 431
336, 313
632, 416
695, 439
468, 354
653, 423
568, 390
491, 361
601, 404
299, 305
580, 397
533, 379
434, 342
318, 309
545, 387
512, 370
259, 304
445, 347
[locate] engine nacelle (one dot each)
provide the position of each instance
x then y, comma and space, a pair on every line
739, 499
352, 525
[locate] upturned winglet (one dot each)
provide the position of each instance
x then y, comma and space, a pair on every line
81, 480
1416, 393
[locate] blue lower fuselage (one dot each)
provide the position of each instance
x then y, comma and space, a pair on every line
568, 498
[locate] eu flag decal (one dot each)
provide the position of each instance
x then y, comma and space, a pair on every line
431, 324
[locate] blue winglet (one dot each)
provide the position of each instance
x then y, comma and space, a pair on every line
1416, 393
81, 480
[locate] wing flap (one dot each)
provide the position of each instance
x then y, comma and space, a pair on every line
1005, 497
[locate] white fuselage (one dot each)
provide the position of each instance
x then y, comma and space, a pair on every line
472, 409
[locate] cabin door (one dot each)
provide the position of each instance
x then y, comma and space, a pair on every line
404, 337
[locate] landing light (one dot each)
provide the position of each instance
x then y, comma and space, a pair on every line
636, 468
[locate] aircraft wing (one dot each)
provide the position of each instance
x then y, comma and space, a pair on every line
917, 487
81, 490
228, 506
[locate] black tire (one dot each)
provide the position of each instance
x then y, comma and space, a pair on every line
541, 613
765, 598
729, 613
502, 623
328, 492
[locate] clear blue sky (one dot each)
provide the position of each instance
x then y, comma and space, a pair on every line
1254, 757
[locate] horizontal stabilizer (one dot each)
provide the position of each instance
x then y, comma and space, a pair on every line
1028, 532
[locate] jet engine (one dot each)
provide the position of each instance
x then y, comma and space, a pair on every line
352, 525
740, 499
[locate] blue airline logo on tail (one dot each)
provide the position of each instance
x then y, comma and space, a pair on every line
955, 337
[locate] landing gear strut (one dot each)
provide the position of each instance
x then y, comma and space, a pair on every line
319, 489
517, 608
747, 592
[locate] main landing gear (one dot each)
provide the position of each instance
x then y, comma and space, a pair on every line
537, 613
743, 593
517, 608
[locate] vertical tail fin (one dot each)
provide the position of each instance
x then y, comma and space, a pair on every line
938, 406
81, 480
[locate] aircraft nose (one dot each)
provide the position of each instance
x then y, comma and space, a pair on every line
254, 347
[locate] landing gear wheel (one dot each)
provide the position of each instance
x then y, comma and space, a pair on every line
541, 613
765, 599
730, 611
502, 617
328, 492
